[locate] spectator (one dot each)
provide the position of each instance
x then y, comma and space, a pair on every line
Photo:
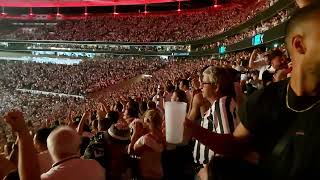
185, 86
220, 118
150, 146
282, 100
40, 143
64, 148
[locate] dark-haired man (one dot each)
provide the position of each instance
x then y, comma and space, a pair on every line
185, 86
40, 143
272, 62
281, 122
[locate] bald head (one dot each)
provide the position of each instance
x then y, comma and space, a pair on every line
304, 3
302, 40
63, 142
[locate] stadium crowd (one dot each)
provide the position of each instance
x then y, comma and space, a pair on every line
172, 28
174, 81
108, 47
88, 76
252, 115
281, 17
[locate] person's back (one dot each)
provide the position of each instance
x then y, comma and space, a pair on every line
149, 166
40, 143
77, 169
45, 161
150, 147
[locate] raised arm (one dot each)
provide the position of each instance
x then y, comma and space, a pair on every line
28, 165
83, 120
253, 63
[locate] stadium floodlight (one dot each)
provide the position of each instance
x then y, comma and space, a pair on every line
2, 12
30, 11
215, 3
85, 11
58, 11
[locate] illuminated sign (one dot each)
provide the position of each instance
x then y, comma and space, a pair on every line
257, 39
222, 49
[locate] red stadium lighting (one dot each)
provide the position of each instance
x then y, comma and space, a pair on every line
179, 10
86, 14
215, 5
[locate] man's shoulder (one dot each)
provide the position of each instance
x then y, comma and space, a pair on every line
198, 99
271, 94
263, 108
68, 169
223, 101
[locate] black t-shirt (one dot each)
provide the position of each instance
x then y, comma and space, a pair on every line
267, 117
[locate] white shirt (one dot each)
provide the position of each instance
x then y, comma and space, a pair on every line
77, 169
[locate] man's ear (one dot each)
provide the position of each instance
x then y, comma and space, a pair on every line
217, 89
298, 44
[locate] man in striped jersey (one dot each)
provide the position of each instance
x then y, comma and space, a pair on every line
218, 89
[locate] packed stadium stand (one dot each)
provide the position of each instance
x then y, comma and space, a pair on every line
229, 90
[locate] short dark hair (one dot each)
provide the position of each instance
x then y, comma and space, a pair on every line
113, 116
185, 82
266, 77
119, 107
152, 105
133, 108
143, 107
235, 75
274, 53
104, 124
182, 96
170, 88
42, 134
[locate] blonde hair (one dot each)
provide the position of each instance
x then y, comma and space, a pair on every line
211, 72
222, 77
155, 117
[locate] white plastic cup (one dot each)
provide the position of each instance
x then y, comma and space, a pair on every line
175, 114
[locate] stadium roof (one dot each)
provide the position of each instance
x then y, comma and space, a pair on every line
77, 3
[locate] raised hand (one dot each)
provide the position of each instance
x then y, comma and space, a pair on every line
16, 120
